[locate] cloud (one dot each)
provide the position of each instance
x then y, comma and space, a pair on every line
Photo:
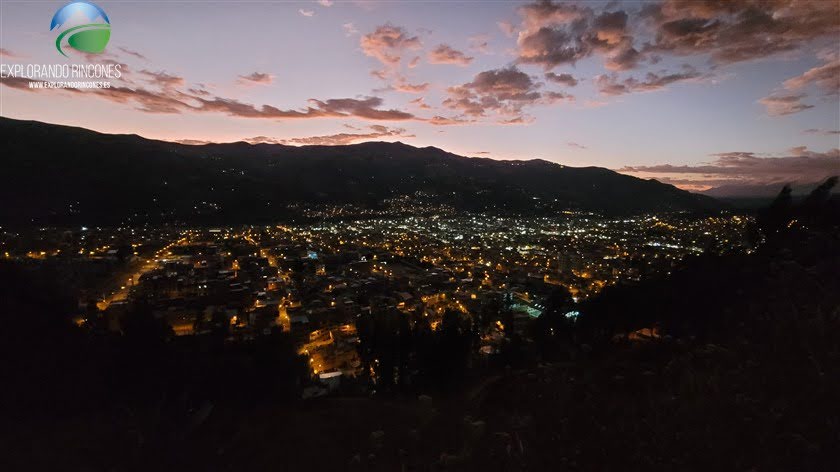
610, 27
595, 103
562, 79
162, 79
193, 142
168, 99
387, 44
738, 31
307, 13
501, 91
746, 168
449, 121
326, 3
375, 132
349, 29
262, 78
624, 57
132, 53
609, 84
554, 34
821, 132
507, 28
381, 74
7, 53
550, 48
165, 102
420, 103
480, 43
575, 145
199, 90
233, 107
367, 108
656, 82
825, 77
784, 104
17, 83
517, 120
803, 151
788, 99
262, 140
401, 85
547, 13
444, 54
552, 97
108, 55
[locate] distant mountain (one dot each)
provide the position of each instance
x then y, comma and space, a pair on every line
758, 190
753, 197
55, 175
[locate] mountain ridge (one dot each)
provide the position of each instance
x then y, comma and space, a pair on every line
65, 175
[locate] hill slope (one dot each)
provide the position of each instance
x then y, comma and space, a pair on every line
58, 175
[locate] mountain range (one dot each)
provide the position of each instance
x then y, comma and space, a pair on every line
57, 175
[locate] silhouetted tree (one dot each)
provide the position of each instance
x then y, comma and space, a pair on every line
278, 367
553, 330
817, 209
775, 217
384, 345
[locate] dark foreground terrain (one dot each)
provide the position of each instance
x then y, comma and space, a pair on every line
741, 373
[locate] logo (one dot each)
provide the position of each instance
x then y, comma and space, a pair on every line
78, 30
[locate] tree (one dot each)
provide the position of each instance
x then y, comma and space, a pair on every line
385, 345
553, 330
774, 218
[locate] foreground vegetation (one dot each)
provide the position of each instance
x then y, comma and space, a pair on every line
742, 374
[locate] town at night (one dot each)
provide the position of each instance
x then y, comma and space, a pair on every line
319, 281
419, 236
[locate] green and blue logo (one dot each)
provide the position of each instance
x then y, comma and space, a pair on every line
79, 29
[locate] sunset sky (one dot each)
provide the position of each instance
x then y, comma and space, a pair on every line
699, 94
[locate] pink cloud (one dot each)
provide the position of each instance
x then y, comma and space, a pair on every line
746, 168
261, 78
375, 132
445, 54
611, 85
784, 104
387, 44
504, 91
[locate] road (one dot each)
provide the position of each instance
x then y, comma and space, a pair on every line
125, 284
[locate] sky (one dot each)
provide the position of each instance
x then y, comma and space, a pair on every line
700, 93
